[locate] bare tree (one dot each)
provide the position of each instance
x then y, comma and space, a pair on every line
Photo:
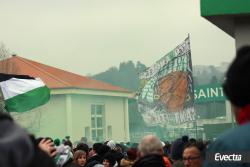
30, 120
1, 102
4, 53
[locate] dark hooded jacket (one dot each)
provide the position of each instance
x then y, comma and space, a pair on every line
152, 160
17, 148
96, 159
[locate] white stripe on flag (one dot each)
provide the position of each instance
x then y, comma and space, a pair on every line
15, 86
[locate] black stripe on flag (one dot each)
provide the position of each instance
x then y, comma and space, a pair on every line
5, 77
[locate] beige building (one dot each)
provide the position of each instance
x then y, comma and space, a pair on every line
79, 106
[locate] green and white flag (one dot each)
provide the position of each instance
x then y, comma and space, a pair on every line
23, 93
166, 95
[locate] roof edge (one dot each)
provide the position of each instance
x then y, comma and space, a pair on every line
125, 91
58, 91
224, 7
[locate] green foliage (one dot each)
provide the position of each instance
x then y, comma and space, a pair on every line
127, 76
110, 76
208, 74
214, 80
135, 118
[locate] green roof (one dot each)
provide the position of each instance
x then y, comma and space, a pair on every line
224, 7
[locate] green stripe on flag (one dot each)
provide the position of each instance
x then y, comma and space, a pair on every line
29, 100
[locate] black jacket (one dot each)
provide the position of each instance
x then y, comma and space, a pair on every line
95, 158
17, 148
152, 160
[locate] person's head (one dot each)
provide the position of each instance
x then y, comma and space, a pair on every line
80, 157
119, 148
177, 149
68, 143
150, 144
111, 144
132, 153
193, 154
84, 139
96, 146
236, 85
49, 138
185, 139
192, 140
93, 151
103, 150
108, 160
83, 147
57, 142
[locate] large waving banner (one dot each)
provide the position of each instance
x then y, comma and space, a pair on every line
166, 93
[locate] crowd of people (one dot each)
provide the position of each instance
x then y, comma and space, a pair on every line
19, 149
149, 152
23, 150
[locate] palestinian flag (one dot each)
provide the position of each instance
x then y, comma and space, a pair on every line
22, 92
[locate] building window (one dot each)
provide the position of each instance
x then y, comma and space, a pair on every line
109, 132
87, 132
97, 123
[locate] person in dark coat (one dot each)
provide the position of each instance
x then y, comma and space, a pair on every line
237, 89
153, 160
95, 152
100, 152
150, 152
109, 160
176, 152
18, 148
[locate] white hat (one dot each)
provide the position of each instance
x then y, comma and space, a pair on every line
111, 144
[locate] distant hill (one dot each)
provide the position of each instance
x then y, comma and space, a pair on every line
127, 74
205, 74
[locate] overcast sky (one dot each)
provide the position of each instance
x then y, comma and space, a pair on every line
89, 36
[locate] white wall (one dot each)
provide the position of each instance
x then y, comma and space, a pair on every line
114, 115
58, 118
